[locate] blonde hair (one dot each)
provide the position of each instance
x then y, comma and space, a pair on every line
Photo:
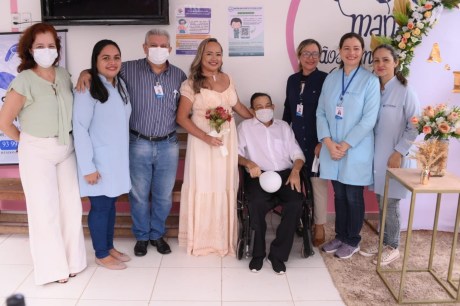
196, 73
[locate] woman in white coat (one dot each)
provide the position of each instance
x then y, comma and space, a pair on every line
394, 135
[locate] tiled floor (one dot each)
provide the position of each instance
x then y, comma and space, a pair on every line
171, 280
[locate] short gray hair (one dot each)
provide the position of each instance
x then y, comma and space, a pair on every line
157, 32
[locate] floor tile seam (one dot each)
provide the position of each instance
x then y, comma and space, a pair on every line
156, 279
23, 281
87, 283
5, 239
258, 301
17, 264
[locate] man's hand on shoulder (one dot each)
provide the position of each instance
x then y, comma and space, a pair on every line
83, 82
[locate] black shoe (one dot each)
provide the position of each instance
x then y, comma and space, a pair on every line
140, 249
278, 265
162, 246
256, 264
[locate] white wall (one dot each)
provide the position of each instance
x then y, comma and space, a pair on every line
322, 20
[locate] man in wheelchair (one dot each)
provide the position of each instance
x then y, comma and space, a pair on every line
267, 144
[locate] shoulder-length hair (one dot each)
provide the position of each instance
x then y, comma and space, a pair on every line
196, 72
348, 36
27, 40
303, 44
97, 89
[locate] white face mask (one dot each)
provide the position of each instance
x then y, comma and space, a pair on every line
264, 115
45, 57
158, 55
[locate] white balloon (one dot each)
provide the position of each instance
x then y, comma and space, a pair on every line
270, 181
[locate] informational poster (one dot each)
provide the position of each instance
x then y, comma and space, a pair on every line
193, 24
245, 31
9, 61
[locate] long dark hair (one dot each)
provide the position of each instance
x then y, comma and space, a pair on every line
27, 40
351, 35
97, 88
393, 53
196, 72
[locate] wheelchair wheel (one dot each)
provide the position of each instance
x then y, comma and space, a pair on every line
240, 249
306, 252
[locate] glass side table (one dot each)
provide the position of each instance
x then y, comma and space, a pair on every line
410, 179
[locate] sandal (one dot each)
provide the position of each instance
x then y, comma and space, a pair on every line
72, 274
62, 281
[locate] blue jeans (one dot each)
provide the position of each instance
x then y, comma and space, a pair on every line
392, 221
153, 167
349, 212
101, 222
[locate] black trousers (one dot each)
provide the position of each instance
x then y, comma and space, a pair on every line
261, 202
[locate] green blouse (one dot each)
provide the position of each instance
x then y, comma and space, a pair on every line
47, 111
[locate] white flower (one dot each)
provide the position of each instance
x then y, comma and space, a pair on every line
398, 38
420, 25
439, 120
457, 124
402, 55
417, 16
414, 39
426, 118
436, 13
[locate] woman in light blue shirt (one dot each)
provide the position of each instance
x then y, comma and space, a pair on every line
346, 115
394, 135
101, 132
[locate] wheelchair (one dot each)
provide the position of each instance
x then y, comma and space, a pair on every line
245, 240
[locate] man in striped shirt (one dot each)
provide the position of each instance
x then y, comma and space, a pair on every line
153, 85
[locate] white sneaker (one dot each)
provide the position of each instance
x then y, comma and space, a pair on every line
370, 251
388, 256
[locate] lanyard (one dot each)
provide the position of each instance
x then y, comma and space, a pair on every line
344, 89
302, 87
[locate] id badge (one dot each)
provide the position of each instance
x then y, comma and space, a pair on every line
339, 112
158, 91
299, 110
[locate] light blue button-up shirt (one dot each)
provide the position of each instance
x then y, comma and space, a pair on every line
101, 134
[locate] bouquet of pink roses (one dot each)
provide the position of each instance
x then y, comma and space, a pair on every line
217, 117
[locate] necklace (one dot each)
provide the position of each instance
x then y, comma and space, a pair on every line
214, 76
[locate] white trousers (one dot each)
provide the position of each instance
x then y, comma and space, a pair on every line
49, 177
320, 199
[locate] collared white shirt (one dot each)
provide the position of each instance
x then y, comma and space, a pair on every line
272, 148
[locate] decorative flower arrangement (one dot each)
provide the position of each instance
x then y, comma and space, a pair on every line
428, 153
217, 117
439, 122
414, 20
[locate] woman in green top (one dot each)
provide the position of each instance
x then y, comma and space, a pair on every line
41, 96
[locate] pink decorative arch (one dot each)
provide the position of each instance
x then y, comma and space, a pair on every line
293, 8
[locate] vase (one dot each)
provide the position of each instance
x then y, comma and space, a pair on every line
424, 176
438, 168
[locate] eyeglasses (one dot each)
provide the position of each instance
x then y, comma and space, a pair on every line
307, 54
